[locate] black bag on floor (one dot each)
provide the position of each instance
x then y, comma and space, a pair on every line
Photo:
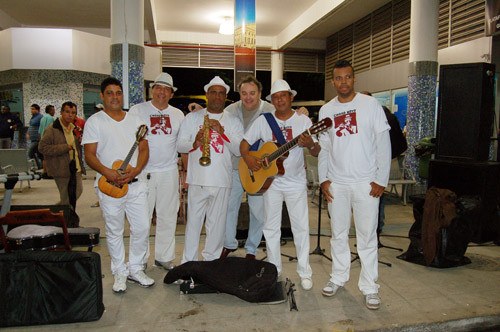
249, 279
49, 287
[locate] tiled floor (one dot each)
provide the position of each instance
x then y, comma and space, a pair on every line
414, 297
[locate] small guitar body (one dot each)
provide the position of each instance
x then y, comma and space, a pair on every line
272, 157
258, 182
109, 188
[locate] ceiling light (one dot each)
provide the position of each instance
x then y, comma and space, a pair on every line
227, 26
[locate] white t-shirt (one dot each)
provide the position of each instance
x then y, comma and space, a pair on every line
114, 138
348, 149
294, 178
237, 110
219, 172
163, 128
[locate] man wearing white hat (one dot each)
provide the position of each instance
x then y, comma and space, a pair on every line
291, 186
163, 121
209, 185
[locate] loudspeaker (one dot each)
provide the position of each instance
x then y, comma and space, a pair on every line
479, 179
465, 111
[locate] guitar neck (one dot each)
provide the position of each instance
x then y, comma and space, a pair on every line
284, 148
129, 156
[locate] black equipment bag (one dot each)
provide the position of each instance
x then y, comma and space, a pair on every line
249, 279
49, 287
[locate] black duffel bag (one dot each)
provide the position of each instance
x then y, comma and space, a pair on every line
49, 287
249, 279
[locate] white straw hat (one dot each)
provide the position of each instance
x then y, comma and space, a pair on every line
217, 81
280, 85
165, 80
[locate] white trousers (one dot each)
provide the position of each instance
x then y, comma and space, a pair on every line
348, 199
163, 193
134, 206
209, 204
296, 204
256, 207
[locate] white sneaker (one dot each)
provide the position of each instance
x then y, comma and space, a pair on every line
330, 289
306, 283
372, 301
141, 278
120, 284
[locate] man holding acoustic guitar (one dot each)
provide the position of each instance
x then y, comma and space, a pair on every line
120, 185
258, 169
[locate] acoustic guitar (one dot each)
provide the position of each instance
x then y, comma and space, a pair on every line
112, 189
272, 157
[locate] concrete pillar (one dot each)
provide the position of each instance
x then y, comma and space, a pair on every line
422, 78
277, 59
127, 50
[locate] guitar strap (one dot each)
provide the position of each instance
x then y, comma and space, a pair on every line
275, 128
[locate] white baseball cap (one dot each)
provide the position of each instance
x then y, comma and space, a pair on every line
280, 85
165, 80
99, 106
217, 81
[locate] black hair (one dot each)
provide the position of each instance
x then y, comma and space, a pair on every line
36, 106
110, 81
69, 104
342, 63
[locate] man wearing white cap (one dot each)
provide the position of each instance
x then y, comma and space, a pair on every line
209, 185
163, 121
291, 186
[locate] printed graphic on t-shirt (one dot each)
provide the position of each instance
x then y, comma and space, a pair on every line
160, 125
287, 134
345, 123
216, 142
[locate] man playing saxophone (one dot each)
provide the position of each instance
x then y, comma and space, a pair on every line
209, 137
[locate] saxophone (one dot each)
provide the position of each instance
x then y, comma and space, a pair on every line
205, 154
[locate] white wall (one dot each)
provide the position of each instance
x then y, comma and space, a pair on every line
41, 48
5, 50
90, 52
395, 75
32, 48
152, 59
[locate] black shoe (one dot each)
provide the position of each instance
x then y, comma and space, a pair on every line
46, 176
225, 252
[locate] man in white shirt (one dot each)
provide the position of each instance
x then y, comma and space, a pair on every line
209, 185
354, 165
290, 186
163, 121
109, 136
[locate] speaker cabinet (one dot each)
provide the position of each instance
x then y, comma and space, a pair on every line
465, 111
480, 179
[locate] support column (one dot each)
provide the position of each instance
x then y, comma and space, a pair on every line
277, 66
127, 50
422, 78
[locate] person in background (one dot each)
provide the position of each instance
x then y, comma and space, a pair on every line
59, 145
353, 173
163, 121
8, 124
32, 135
47, 119
398, 147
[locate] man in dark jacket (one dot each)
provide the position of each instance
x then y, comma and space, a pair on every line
8, 124
33, 135
59, 147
